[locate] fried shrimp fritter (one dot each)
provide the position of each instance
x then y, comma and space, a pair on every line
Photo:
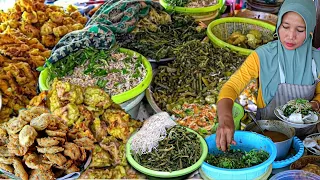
57, 159
27, 136
50, 150
71, 150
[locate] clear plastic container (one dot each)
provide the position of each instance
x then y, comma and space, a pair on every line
295, 175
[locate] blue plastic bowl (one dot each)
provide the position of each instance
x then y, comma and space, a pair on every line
298, 147
295, 175
245, 141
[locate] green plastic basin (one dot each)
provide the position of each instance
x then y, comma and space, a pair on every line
119, 98
231, 24
172, 174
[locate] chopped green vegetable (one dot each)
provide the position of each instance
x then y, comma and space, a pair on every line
237, 159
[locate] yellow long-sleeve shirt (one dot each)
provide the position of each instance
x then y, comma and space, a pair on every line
241, 78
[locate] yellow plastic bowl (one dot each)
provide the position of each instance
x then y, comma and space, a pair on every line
220, 29
188, 10
44, 85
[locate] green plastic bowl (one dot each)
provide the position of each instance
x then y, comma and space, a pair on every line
172, 174
238, 113
230, 24
119, 98
188, 10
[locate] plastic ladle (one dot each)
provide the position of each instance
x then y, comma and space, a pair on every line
255, 120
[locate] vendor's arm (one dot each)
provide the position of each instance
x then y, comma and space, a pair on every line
316, 104
229, 92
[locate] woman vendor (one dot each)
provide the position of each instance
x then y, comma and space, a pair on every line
286, 69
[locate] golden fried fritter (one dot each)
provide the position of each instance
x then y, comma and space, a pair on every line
71, 150
48, 141
35, 161
7, 168
27, 136
57, 159
65, 165
73, 168
15, 147
15, 125
50, 150
42, 17
85, 142
60, 31
4, 151
19, 169
56, 17
41, 122
58, 133
29, 17
39, 174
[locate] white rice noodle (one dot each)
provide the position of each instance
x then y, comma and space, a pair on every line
152, 131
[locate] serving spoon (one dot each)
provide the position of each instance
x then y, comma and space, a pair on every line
255, 120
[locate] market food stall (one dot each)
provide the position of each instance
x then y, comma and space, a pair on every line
74, 82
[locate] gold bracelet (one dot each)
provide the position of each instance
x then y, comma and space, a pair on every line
318, 106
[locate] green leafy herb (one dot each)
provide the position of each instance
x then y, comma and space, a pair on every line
237, 159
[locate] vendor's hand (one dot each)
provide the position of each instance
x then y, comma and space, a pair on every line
315, 105
224, 134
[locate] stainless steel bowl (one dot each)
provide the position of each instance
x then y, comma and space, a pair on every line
278, 126
151, 101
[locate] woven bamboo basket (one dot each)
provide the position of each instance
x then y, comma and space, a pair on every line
219, 31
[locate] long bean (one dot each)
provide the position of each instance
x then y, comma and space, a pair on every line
179, 150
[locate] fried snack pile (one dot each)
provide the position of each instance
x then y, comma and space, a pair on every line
39, 141
47, 23
26, 32
91, 114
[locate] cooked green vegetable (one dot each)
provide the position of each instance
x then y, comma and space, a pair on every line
179, 150
191, 3
111, 70
237, 159
301, 106
179, 3
160, 41
195, 76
